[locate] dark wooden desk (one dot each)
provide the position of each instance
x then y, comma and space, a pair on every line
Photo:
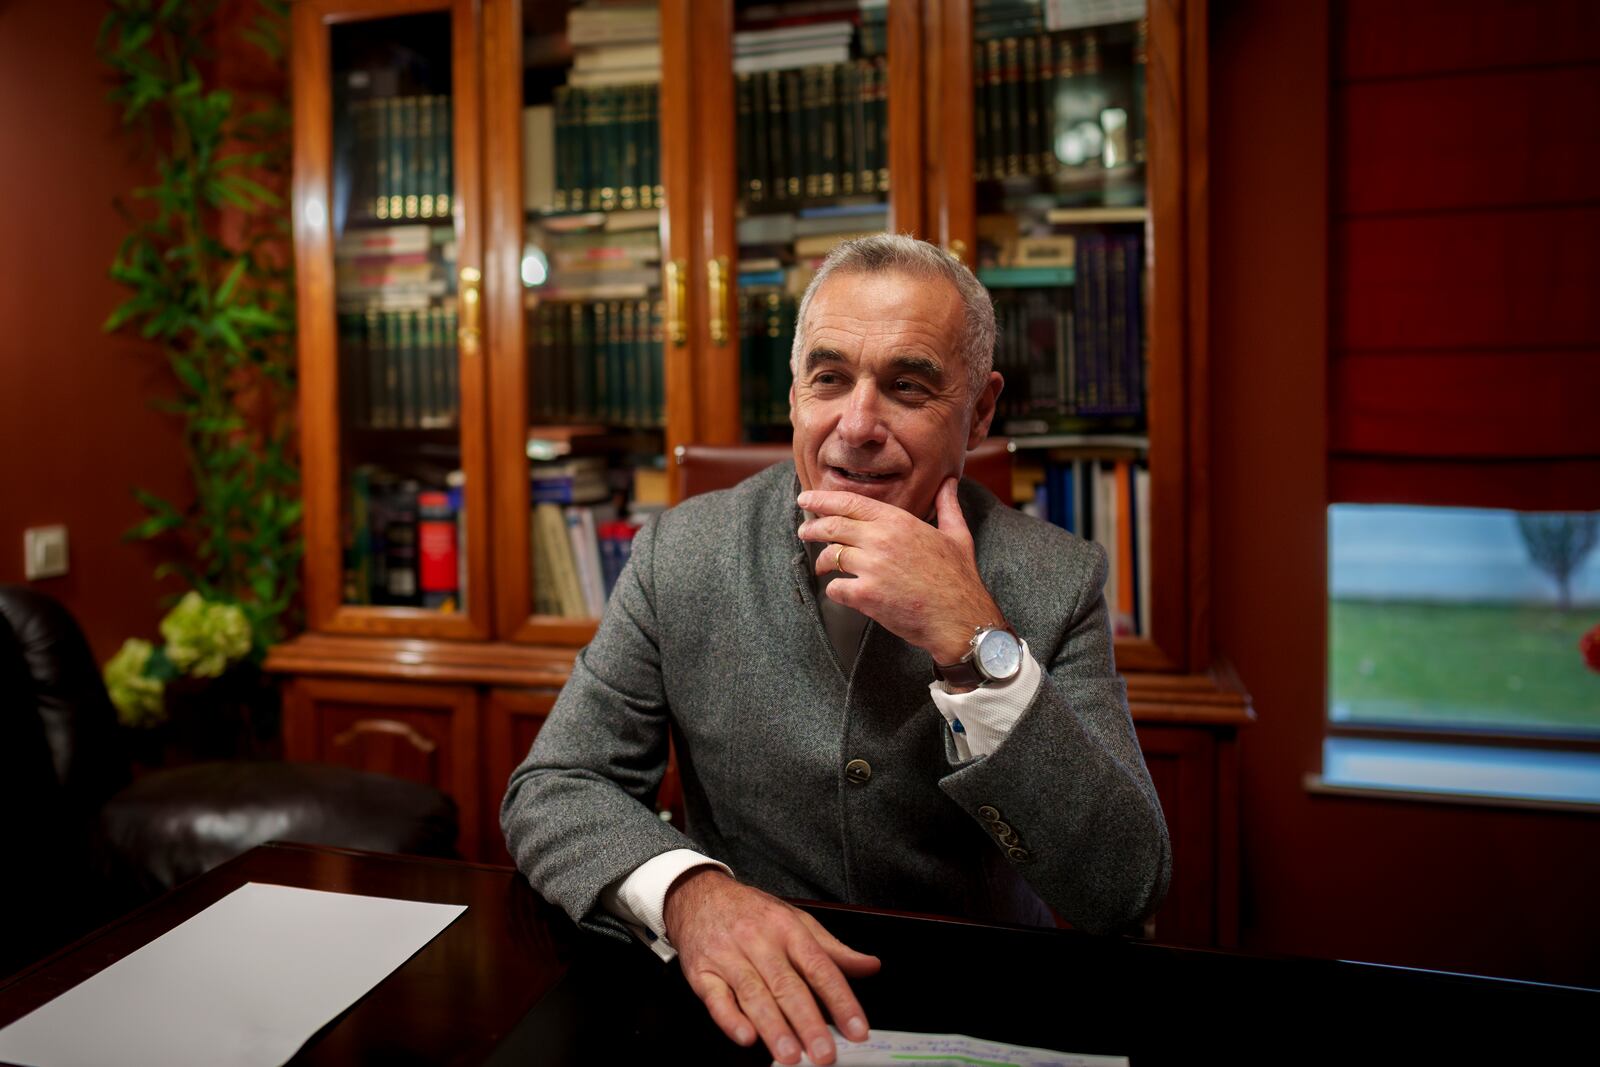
513, 982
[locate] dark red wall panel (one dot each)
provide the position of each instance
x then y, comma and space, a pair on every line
1479, 280
1397, 38
1525, 138
1466, 404
1553, 485
1494, 891
77, 429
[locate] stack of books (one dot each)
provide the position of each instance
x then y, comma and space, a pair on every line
579, 544
599, 256
403, 541
614, 44
596, 147
393, 266
783, 47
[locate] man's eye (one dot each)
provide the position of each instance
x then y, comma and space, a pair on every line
908, 387
825, 378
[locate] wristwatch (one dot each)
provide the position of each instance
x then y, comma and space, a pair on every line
994, 657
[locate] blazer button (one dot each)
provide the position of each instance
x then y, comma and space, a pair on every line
1019, 854
858, 771
988, 814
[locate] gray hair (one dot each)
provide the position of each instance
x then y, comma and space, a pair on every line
890, 253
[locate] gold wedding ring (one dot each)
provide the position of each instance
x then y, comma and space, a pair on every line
838, 558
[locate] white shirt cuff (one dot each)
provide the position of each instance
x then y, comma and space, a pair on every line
640, 898
980, 720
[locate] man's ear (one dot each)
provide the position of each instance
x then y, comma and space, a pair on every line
983, 410
791, 402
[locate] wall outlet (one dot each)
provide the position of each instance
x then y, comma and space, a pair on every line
44, 551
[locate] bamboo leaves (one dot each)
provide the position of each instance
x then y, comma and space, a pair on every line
219, 306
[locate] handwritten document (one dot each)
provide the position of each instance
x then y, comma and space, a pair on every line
242, 984
898, 1048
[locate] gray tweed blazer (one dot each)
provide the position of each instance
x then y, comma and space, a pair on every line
713, 637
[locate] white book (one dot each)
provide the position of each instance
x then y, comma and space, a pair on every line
800, 57
586, 555
838, 28
388, 241
613, 25
538, 157
592, 79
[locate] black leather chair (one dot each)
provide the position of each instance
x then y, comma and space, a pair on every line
84, 841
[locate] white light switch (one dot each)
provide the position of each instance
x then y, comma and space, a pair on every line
45, 551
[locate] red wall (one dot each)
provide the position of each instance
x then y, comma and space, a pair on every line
76, 428
1477, 889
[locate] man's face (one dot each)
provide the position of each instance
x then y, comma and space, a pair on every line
879, 402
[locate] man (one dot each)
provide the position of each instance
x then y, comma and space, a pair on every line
787, 634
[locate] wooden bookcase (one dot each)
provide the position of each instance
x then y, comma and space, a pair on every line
453, 696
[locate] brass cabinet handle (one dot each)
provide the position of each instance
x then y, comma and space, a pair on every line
470, 334
677, 300
957, 250
717, 280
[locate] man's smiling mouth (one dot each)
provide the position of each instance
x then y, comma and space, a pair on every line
862, 476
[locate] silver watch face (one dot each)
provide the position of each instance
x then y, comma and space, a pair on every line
999, 655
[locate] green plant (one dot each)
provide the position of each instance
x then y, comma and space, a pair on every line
206, 260
203, 639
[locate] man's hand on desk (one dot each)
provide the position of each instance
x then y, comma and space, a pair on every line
756, 963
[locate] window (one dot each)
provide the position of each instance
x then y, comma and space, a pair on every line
1450, 627
1462, 617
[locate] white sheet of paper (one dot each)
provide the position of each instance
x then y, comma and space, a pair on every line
902, 1048
242, 984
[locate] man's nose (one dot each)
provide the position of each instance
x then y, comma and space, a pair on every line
862, 421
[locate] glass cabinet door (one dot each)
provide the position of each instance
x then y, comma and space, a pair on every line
576, 281
393, 418
815, 139
1072, 185
1046, 199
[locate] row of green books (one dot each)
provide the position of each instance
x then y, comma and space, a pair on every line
1069, 101
597, 361
401, 157
606, 148
766, 334
399, 369
813, 133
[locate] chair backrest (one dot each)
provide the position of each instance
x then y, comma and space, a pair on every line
51, 676
702, 468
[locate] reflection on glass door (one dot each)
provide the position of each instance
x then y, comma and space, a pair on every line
403, 514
